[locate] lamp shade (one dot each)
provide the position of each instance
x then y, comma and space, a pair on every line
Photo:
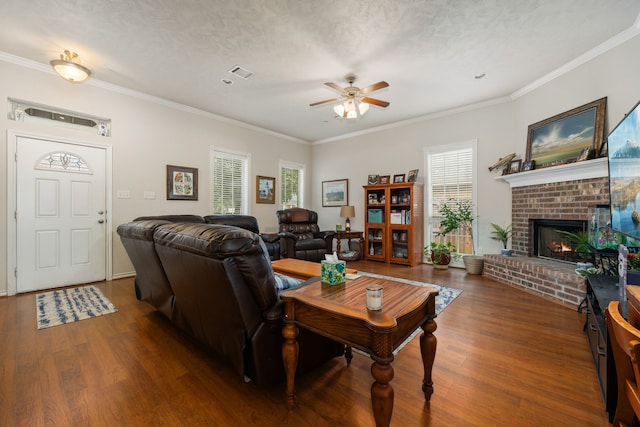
347, 211
69, 69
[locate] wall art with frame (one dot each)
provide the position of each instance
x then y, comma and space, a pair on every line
265, 189
182, 183
335, 193
562, 138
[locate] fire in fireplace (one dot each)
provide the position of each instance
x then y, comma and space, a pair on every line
548, 243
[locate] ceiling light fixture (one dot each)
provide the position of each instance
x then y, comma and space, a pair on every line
69, 68
352, 108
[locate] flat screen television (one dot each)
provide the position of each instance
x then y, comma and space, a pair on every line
623, 152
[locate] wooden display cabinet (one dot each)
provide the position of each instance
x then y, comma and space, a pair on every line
393, 223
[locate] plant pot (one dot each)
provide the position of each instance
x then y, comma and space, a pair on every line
506, 252
633, 277
473, 263
440, 261
583, 265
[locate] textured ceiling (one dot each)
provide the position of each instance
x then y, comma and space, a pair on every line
428, 51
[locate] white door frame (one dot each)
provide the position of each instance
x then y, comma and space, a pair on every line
12, 239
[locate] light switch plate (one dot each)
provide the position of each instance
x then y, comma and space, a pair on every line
149, 195
123, 194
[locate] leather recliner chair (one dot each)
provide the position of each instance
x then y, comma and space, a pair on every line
300, 236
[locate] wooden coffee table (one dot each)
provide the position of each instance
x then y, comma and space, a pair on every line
300, 269
339, 312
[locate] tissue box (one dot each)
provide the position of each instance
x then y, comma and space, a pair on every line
333, 273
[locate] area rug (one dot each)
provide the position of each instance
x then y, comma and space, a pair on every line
443, 299
70, 305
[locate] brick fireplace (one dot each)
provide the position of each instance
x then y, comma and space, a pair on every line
567, 192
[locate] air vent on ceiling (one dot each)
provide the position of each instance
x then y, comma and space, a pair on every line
241, 72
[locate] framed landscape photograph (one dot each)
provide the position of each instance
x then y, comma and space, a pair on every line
563, 138
182, 183
335, 193
384, 179
265, 189
398, 178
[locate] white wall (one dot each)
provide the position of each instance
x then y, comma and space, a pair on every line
147, 136
500, 129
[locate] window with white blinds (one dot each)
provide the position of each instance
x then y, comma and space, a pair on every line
451, 178
291, 185
229, 189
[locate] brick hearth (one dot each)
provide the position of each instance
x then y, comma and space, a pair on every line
552, 279
551, 197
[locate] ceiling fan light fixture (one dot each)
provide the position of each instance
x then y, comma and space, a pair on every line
68, 67
363, 107
351, 109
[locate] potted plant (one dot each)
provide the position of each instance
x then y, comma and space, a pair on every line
458, 215
502, 235
633, 265
580, 241
440, 253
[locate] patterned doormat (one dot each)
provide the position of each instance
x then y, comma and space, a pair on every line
69, 305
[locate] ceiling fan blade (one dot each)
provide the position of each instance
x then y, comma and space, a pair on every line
374, 87
326, 101
377, 102
334, 87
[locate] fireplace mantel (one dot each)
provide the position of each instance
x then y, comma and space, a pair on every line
586, 169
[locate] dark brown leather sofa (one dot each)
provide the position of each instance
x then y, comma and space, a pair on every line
248, 222
215, 282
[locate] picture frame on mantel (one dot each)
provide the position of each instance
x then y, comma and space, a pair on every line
182, 183
563, 138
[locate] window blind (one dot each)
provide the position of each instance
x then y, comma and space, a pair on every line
228, 190
290, 186
451, 177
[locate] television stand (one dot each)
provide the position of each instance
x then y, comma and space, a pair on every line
601, 290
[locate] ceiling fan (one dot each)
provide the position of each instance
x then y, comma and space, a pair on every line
353, 102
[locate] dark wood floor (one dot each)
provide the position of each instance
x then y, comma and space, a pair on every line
505, 358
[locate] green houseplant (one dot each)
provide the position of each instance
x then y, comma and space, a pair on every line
580, 241
458, 215
502, 235
440, 253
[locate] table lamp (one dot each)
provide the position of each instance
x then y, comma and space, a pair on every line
347, 212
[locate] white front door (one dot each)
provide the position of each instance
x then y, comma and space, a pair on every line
61, 218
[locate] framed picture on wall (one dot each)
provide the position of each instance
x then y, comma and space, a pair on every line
563, 138
182, 183
265, 189
335, 193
